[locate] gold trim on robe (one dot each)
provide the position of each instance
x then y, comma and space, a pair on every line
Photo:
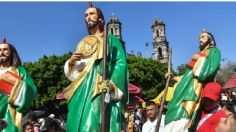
97, 54
16, 116
193, 106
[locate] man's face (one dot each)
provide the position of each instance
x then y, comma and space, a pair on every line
151, 112
203, 39
4, 53
91, 18
209, 104
29, 128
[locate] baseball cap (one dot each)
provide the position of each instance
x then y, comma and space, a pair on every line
212, 90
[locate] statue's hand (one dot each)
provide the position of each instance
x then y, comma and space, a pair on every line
8, 78
105, 85
75, 57
195, 57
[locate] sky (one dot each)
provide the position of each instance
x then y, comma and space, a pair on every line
55, 28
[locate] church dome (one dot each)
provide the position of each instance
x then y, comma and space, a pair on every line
114, 19
158, 22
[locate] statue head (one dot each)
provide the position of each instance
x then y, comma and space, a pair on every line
94, 19
8, 54
206, 39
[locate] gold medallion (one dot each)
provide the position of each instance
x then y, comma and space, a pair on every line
88, 45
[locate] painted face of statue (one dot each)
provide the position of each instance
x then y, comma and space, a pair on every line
4, 53
91, 18
203, 40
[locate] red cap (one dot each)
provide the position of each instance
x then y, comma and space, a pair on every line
212, 90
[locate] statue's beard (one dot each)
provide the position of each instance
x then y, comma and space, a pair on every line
203, 44
92, 24
3, 59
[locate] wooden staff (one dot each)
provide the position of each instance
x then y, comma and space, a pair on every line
163, 98
104, 77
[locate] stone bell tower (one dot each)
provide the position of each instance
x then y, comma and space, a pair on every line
160, 44
114, 28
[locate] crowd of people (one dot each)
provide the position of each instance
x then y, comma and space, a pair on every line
144, 119
49, 123
99, 90
218, 113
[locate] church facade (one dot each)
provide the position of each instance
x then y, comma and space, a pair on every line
160, 43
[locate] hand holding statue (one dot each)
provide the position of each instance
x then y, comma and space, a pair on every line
172, 76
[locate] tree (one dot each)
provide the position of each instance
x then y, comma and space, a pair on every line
181, 69
148, 74
48, 75
226, 72
49, 78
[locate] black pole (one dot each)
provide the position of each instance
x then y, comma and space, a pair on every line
104, 77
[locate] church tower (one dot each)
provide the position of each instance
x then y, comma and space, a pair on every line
114, 28
160, 44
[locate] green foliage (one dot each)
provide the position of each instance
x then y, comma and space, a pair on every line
181, 69
226, 72
148, 74
223, 75
48, 76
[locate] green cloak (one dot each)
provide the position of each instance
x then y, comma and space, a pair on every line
85, 103
186, 98
22, 96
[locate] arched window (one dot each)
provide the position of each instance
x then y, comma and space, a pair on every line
112, 31
160, 53
158, 33
161, 32
116, 31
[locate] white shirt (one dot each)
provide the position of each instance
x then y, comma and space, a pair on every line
162, 125
149, 126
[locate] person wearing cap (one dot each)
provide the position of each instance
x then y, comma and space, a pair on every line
212, 112
18, 90
84, 68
